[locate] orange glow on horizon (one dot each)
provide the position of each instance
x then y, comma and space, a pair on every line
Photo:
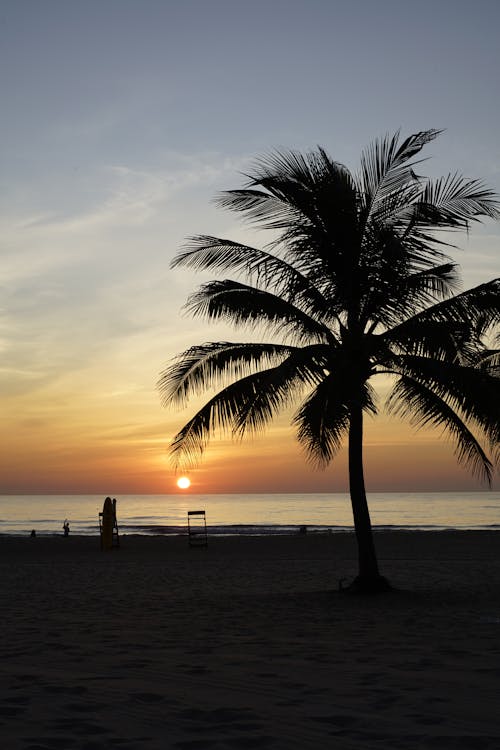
76, 454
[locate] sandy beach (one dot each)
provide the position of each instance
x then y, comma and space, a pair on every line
248, 644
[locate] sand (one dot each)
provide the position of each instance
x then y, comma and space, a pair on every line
247, 644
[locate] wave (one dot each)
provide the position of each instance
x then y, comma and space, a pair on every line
145, 529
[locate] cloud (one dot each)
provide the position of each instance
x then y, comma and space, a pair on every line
76, 286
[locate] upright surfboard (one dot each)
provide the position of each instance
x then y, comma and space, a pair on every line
108, 519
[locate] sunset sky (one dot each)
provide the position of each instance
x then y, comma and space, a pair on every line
121, 119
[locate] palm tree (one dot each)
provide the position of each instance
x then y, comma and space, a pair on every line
354, 283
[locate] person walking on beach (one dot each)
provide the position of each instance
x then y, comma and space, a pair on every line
66, 527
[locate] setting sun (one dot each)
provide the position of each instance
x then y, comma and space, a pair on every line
183, 483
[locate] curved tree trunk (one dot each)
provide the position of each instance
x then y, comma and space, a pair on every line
369, 578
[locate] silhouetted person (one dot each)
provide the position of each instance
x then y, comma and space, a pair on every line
33, 532
66, 527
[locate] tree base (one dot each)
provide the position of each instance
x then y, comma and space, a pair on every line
367, 585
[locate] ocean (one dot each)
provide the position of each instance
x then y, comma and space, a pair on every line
249, 514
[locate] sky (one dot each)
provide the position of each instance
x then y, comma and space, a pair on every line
120, 121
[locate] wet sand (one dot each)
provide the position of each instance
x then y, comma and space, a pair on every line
248, 644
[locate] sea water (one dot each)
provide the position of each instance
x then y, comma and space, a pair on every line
249, 514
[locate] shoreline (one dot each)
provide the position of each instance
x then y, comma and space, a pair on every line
247, 643
254, 531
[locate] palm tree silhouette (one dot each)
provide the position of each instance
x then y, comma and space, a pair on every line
354, 283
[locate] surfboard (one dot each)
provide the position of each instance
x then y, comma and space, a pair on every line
108, 519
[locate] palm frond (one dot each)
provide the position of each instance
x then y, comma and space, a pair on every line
305, 197
265, 209
435, 283
477, 306
392, 300
393, 281
487, 360
205, 252
431, 339
212, 364
387, 171
273, 388
322, 421
453, 202
245, 405
189, 445
469, 391
241, 304
423, 407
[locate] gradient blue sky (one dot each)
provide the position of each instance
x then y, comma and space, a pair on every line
120, 121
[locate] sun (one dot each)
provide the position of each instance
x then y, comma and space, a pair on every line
183, 483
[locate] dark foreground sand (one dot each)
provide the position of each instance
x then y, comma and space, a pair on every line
246, 644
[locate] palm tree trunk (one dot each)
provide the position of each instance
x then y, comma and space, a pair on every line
369, 578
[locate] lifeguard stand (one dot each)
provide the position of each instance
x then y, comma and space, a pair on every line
197, 528
108, 525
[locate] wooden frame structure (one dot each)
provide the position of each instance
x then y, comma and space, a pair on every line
197, 528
